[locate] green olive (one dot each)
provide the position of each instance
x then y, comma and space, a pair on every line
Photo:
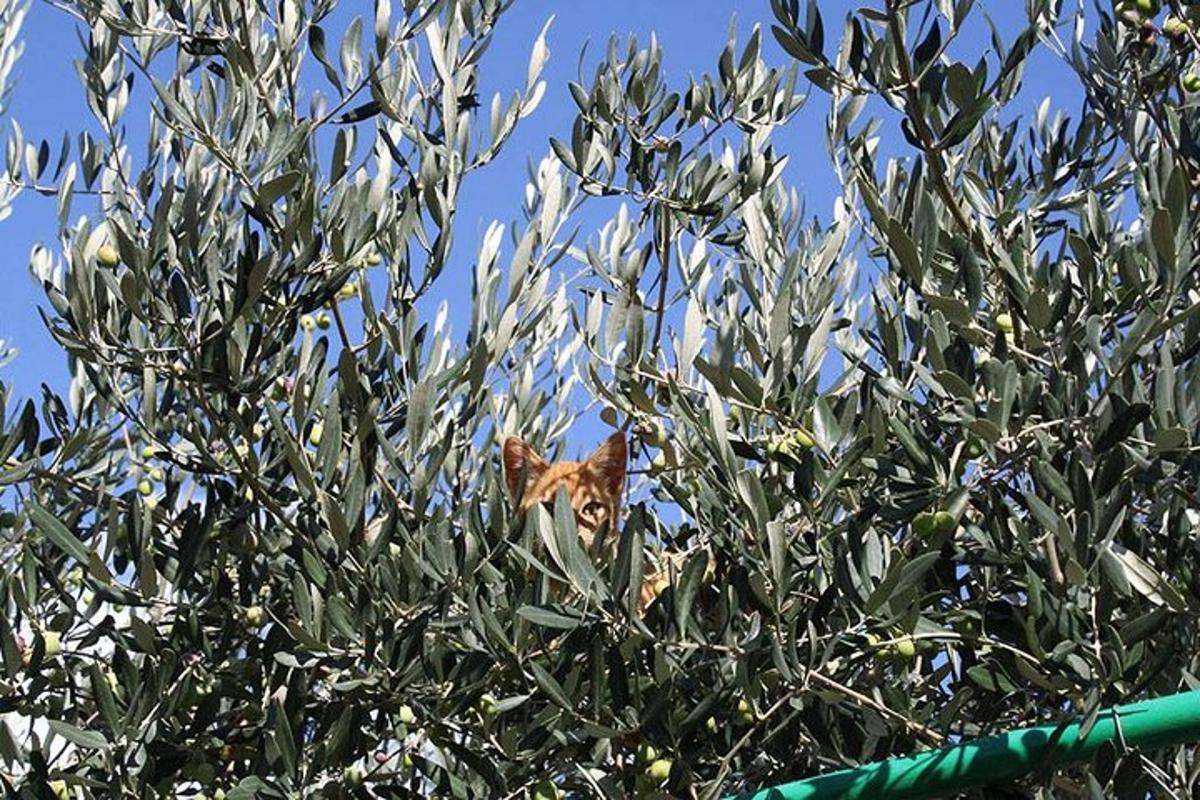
1175, 28
108, 256
660, 770
802, 439
924, 524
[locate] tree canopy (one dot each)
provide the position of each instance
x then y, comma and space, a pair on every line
929, 465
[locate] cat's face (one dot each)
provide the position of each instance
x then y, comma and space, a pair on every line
594, 486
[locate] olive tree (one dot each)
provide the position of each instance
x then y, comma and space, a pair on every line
923, 470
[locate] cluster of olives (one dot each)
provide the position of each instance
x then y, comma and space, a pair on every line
1180, 31
933, 523
789, 444
322, 320
154, 475
656, 771
902, 649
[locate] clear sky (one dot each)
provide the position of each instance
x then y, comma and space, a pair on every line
48, 101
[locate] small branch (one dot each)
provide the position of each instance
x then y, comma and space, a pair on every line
662, 248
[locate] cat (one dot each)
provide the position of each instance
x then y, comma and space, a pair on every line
595, 487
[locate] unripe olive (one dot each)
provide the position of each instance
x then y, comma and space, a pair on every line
1191, 82
323, 321
924, 524
145, 488
406, 715
314, 434
801, 438
1175, 28
660, 770
107, 256
255, 616
1004, 322
307, 322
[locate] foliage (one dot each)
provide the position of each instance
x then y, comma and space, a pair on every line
935, 458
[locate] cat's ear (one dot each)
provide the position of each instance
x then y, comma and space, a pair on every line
608, 463
521, 465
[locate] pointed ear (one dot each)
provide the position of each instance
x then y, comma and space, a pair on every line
521, 465
609, 461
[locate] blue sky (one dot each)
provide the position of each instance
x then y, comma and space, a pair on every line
48, 100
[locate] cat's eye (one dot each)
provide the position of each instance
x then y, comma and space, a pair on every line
593, 509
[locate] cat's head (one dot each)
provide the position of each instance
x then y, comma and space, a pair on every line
594, 486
